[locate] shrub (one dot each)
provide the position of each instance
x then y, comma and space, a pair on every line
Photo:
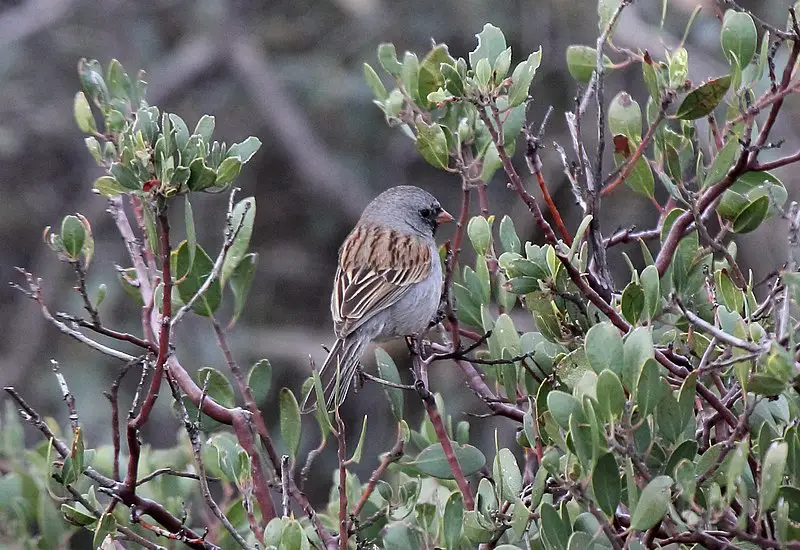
659, 412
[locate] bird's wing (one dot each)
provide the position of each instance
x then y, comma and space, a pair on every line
376, 267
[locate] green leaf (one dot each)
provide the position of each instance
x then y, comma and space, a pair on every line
605, 11
738, 37
216, 385
360, 446
506, 472
554, 532
108, 187
259, 379
431, 77
432, 144
653, 503
125, 176
83, 114
723, 162
205, 127
508, 236
76, 517
453, 520
772, 471
240, 282
387, 56
652, 291
678, 67
650, 388
73, 235
737, 464
242, 219
522, 77
610, 395
604, 348
374, 83
625, 117
431, 460
732, 297
227, 171
200, 175
751, 216
192, 276
107, 526
633, 301
453, 82
703, 100
480, 234
491, 43
245, 150
388, 371
638, 348
290, 420
606, 484
641, 177
582, 62
561, 405
669, 418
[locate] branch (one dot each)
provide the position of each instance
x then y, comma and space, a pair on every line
194, 437
138, 504
421, 384
261, 489
134, 445
342, 456
394, 454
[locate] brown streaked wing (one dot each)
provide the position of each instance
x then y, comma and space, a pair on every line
376, 268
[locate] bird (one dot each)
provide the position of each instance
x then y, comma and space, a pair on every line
388, 283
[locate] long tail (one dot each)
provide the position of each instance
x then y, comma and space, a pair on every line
340, 366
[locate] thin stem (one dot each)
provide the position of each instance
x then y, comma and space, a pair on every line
342, 456
134, 445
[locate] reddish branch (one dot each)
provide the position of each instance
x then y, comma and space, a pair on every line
138, 505
342, 456
394, 454
134, 445
421, 385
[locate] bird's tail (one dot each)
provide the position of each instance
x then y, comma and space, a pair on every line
336, 375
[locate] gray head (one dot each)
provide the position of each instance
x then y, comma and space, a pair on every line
407, 209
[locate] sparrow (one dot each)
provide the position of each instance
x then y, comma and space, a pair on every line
388, 283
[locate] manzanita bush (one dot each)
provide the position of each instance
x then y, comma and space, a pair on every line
661, 411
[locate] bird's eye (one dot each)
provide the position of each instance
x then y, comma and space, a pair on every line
425, 212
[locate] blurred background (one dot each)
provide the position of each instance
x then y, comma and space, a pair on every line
289, 72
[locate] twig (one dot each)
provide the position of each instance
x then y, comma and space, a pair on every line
286, 474
533, 145
69, 399
100, 329
141, 505
230, 237
630, 162
394, 454
194, 437
261, 489
34, 292
171, 472
428, 400
342, 456
718, 333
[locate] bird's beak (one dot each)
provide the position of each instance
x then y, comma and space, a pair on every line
444, 217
